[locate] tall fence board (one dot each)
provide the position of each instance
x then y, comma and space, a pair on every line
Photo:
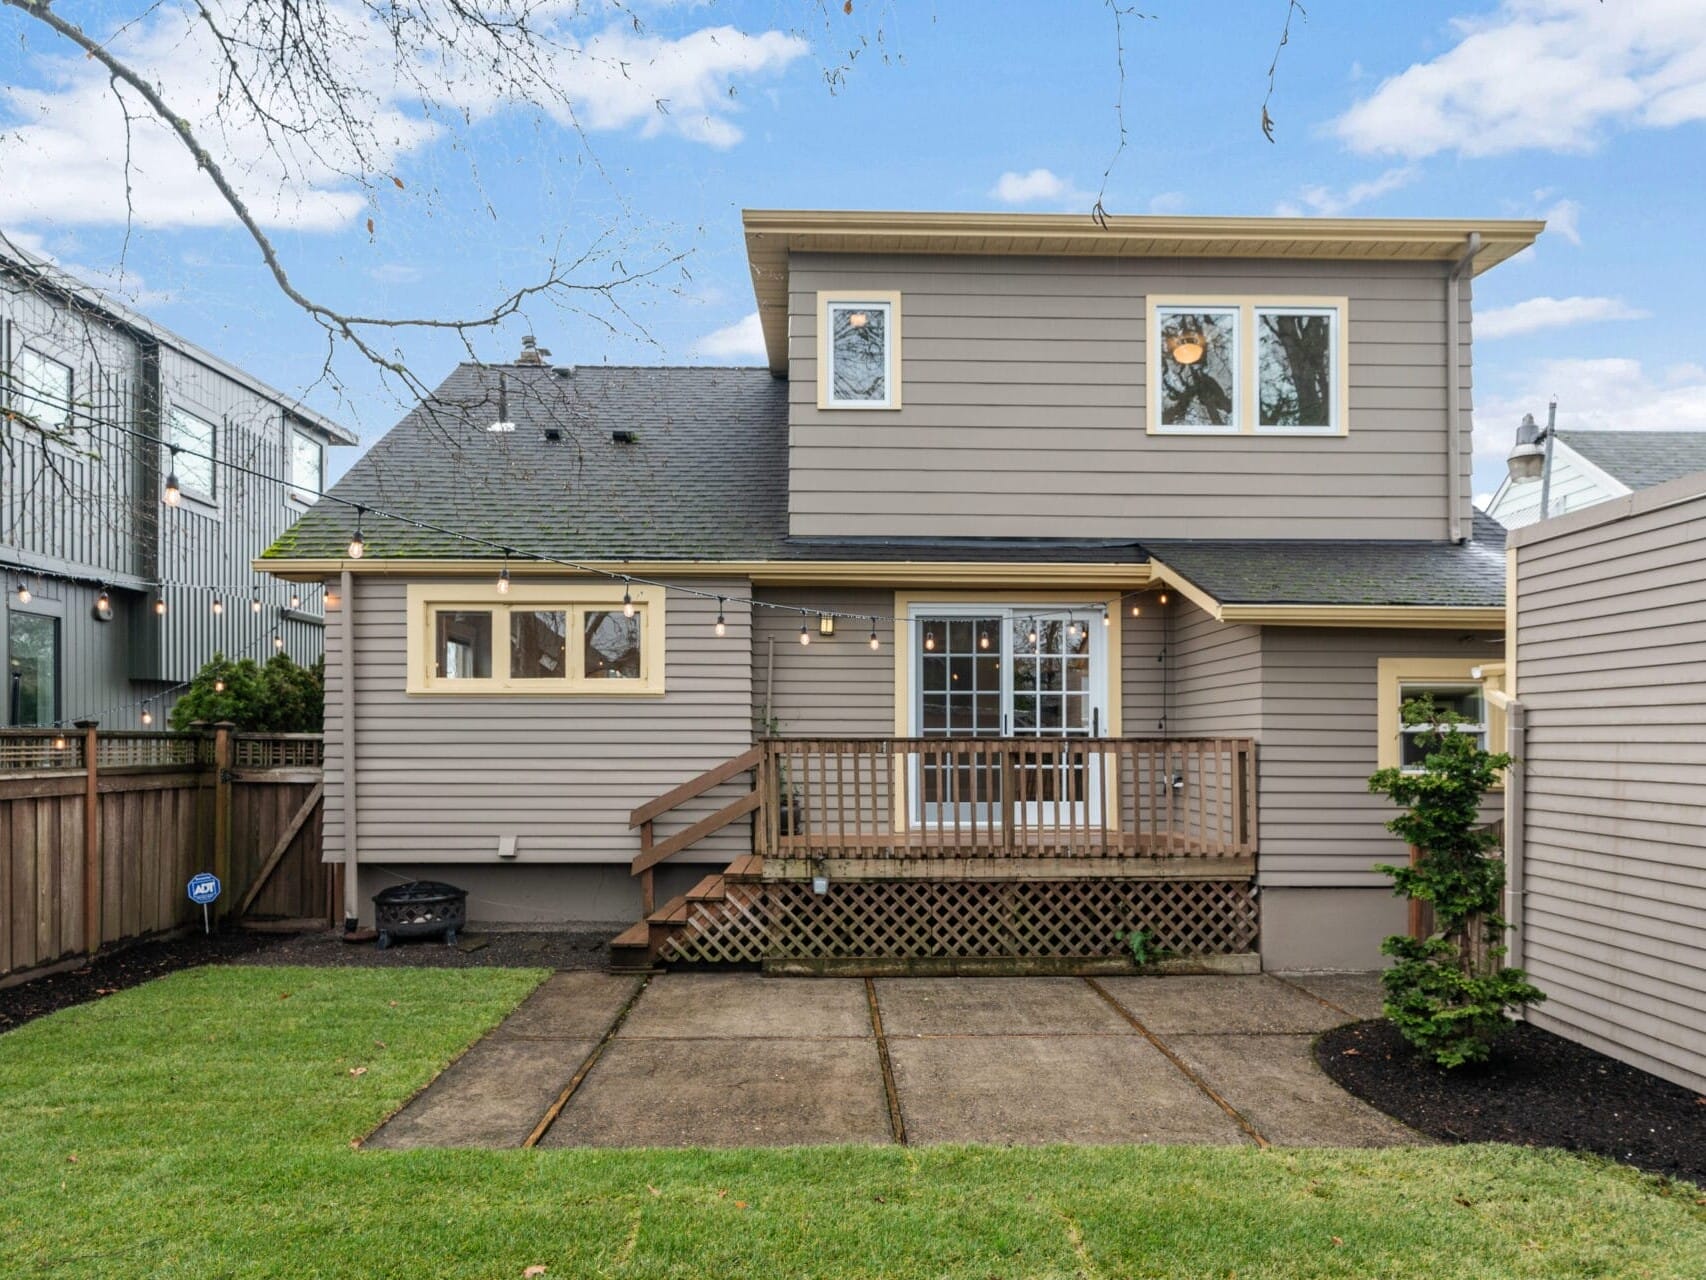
155, 803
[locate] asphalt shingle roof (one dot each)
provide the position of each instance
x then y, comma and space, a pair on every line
1641, 459
1346, 572
706, 479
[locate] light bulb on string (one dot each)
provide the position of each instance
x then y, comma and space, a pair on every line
722, 627
160, 606
172, 494
503, 575
217, 607
147, 716
278, 642
1136, 609
357, 544
59, 742
23, 592
627, 600
805, 634
219, 684
295, 600
983, 640
929, 639
875, 643
1031, 635
255, 601
1106, 620
1161, 598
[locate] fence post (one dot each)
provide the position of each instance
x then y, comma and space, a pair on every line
222, 761
91, 836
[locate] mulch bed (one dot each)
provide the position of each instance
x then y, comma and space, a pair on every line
1539, 1090
146, 960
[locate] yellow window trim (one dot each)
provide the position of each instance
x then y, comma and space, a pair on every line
1246, 305
425, 599
886, 297
1393, 673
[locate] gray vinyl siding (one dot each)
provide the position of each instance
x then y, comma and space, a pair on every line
439, 779
1321, 828
1213, 676
1023, 391
79, 517
1610, 629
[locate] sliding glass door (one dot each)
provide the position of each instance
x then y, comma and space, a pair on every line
1008, 672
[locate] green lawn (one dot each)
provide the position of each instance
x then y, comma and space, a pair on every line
201, 1125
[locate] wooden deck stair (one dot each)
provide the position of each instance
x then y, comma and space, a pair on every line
640, 946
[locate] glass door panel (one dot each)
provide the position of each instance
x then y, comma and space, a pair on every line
962, 690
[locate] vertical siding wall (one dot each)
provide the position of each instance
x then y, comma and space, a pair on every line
439, 779
1024, 404
1610, 636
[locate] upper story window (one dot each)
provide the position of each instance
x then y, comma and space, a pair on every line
859, 350
196, 440
535, 639
1267, 366
41, 390
307, 466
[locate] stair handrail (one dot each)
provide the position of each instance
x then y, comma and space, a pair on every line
653, 851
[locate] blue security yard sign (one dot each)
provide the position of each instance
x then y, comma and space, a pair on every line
204, 888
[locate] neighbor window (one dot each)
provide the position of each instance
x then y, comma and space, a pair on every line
1456, 686
307, 465
32, 669
1255, 365
41, 390
535, 639
858, 351
195, 439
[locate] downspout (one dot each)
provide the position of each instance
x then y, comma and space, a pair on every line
1454, 388
1516, 736
346, 673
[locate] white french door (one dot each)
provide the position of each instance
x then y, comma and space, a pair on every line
1013, 672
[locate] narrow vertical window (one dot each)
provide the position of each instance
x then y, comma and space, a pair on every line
859, 351
41, 391
1197, 368
307, 466
1296, 369
196, 441
32, 674
463, 644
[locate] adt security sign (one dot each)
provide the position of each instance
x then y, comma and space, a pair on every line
204, 888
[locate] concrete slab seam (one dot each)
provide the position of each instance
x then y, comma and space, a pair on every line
897, 1122
1319, 999
556, 1108
1232, 1111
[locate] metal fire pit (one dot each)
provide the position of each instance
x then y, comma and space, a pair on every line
419, 909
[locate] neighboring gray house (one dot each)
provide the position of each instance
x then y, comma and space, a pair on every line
1136, 537
1590, 467
1606, 828
88, 551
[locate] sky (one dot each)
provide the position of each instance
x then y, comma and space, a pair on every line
658, 122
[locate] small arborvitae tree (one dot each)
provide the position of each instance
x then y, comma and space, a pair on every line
1449, 993
280, 697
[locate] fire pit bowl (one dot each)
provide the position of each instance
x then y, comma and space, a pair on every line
419, 909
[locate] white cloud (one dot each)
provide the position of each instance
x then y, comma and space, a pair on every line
1612, 393
1168, 202
1323, 202
1036, 187
63, 139
117, 281
1564, 219
742, 340
1551, 313
1553, 75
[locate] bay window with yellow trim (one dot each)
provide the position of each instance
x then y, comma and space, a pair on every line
536, 639
1458, 685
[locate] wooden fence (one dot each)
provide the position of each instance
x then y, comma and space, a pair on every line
100, 832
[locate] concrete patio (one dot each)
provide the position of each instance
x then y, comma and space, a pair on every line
592, 1059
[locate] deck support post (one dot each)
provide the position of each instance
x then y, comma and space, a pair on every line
91, 836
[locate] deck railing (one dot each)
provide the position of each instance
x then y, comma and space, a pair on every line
1007, 797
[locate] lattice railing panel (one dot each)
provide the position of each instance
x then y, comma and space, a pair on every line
908, 919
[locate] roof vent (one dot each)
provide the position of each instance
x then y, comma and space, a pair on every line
624, 437
531, 352
503, 423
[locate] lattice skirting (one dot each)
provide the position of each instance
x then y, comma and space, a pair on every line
913, 919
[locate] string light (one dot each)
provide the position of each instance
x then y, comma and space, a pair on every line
983, 640
172, 495
218, 606
722, 626
59, 743
875, 643
1031, 635
255, 601
627, 600
219, 684
805, 634
147, 716
1136, 609
23, 592
1161, 598
929, 639
295, 600
277, 641
160, 606
357, 544
1106, 620
503, 575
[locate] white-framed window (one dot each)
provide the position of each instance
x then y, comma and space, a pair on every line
1247, 366
535, 639
197, 442
41, 391
859, 350
1197, 368
1456, 685
307, 466
1297, 376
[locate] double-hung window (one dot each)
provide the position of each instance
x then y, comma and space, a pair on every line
1262, 366
858, 350
535, 639
41, 391
1457, 687
197, 442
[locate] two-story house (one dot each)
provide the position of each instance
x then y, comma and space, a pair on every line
1055, 580
113, 598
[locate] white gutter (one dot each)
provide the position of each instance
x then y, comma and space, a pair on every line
1454, 388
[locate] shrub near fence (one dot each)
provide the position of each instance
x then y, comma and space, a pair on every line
90, 857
